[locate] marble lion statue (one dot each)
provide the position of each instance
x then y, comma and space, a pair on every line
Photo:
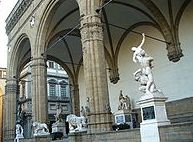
76, 123
40, 128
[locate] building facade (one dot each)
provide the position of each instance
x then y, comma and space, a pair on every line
58, 96
92, 41
2, 93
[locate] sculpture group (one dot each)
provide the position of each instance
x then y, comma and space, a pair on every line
124, 102
144, 75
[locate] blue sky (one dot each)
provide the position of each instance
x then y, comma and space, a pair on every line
5, 8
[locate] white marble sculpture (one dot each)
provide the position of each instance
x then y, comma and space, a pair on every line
76, 124
144, 75
58, 116
18, 133
124, 102
40, 129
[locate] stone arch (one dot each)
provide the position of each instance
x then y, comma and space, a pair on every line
19, 56
42, 31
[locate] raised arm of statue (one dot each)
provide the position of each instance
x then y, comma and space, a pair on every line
142, 42
137, 50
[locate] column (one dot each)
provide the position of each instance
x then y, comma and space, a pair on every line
11, 91
100, 117
39, 90
75, 100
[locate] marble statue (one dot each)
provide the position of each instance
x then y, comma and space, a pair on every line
82, 112
124, 102
144, 75
76, 124
58, 116
40, 129
18, 133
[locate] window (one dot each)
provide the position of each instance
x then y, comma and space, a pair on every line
63, 85
51, 64
52, 89
63, 90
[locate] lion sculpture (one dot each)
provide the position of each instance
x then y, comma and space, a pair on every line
40, 129
76, 123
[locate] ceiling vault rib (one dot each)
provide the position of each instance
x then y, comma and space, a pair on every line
136, 8
136, 32
60, 39
179, 14
171, 17
70, 55
63, 18
108, 32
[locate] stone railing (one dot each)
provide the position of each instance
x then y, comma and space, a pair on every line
17, 12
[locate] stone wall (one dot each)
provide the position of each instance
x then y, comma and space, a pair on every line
182, 132
180, 110
37, 139
132, 135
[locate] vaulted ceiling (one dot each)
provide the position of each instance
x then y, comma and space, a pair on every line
119, 17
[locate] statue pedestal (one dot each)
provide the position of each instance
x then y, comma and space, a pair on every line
153, 114
125, 116
59, 128
45, 138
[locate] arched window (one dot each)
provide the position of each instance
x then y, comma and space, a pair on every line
52, 87
63, 85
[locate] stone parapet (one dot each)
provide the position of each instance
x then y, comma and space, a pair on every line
112, 136
181, 132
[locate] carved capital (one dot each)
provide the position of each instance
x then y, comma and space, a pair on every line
114, 75
91, 28
174, 52
39, 61
11, 89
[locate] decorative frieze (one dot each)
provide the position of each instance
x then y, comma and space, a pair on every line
16, 14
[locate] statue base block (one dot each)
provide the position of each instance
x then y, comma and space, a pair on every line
125, 117
153, 114
59, 127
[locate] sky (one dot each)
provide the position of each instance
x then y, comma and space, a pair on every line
5, 8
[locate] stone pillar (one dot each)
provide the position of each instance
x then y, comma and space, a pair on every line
100, 117
11, 91
75, 100
39, 90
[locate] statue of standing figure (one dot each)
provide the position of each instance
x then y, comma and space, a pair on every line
59, 114
18, 133
144, 75
124, 102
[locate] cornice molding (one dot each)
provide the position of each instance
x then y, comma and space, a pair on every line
16, 14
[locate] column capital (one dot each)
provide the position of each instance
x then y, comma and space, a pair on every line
11, 89
91, 29
38, 61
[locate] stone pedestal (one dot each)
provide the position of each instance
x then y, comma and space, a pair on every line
42, 139
153, 114
125, 116
59, 127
